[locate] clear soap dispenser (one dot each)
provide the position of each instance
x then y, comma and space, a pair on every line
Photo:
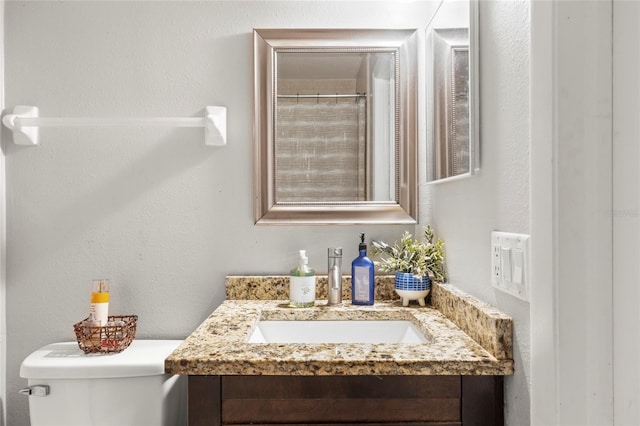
362, 277
302, 284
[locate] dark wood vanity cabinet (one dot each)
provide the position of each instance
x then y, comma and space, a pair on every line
346, 400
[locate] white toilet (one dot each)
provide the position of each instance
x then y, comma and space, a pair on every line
67, 387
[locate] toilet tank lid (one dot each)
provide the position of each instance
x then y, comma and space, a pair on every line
67, 361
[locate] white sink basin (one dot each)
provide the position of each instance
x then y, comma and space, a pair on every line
354, 331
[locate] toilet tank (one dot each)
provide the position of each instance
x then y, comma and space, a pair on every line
129, 388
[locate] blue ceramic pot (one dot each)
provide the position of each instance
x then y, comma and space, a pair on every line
409, 282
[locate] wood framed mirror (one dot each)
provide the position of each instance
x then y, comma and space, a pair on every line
335, 126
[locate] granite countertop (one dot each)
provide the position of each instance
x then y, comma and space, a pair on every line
464, 336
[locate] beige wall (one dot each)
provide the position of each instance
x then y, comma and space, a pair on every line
465, 211
163, 216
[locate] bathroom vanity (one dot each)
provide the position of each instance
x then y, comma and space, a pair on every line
453, 376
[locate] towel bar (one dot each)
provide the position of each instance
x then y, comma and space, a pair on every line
24, 122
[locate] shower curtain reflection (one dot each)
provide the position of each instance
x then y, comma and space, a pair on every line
321, 150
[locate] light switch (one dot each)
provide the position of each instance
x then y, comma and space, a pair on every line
517, 266
509, 263
505, 263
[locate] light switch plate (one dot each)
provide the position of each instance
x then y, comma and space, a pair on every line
510, 263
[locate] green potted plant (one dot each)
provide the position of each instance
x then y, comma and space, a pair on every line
414, 262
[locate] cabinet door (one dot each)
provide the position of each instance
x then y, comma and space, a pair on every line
340, 399
346, 400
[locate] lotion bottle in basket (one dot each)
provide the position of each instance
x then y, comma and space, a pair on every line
100, 301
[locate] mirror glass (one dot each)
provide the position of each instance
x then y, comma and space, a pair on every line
335, 126
451, 76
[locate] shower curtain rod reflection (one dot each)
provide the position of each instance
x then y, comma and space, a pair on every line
318, 95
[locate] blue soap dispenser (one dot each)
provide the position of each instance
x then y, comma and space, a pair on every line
362, 284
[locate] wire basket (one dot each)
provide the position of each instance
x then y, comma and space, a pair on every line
116, 336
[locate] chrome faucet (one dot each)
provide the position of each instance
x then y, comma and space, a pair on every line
334, 278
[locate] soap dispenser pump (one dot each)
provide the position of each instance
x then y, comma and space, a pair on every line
362, 277
302, 283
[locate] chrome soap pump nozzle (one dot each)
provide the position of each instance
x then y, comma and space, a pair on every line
334, 279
